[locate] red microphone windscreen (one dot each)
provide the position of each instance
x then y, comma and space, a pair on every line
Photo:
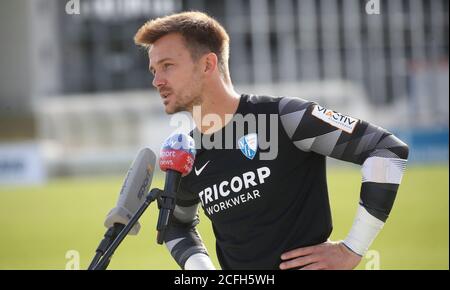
178, 154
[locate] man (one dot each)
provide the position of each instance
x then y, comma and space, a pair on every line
266, 213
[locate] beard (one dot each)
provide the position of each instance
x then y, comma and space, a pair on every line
186, 103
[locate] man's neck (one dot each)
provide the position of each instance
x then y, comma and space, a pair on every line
219, 105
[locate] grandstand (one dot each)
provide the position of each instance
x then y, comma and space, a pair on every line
80, 88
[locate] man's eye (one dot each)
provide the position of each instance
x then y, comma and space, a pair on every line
167, 65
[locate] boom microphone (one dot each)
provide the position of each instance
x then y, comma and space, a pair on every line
177, 159
134, 190
132, 196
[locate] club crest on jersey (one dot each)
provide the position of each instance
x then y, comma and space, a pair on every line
249, 145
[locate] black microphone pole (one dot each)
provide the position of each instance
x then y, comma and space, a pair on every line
166, 203
109, 237
104, 262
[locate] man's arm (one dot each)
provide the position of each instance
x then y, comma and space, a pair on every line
183, 240
383, 158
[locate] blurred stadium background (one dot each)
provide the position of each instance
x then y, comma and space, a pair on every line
76, 105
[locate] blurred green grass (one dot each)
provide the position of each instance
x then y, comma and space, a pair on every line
40, 224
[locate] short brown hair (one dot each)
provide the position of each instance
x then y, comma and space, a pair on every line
202, 34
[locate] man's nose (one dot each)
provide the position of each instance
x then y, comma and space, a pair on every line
158, 81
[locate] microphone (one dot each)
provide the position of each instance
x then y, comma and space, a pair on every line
134, 190
176, 159
132, 196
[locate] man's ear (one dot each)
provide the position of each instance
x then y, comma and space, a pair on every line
210, 63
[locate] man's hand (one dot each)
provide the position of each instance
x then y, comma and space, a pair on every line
326, 256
